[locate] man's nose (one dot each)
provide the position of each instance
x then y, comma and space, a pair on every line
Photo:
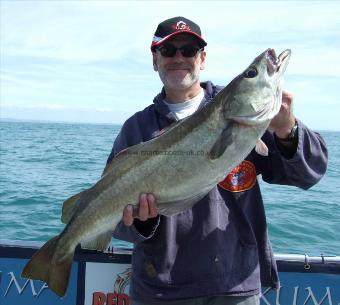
178, 56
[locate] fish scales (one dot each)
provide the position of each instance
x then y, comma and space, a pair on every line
224, 132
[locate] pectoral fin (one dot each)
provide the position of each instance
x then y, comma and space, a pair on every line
261, 148
221, 144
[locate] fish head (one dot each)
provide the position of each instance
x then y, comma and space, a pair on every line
255, 96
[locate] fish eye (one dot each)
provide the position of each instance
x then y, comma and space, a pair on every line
251, 72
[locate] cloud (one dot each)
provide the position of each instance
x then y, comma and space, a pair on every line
72, 30
95, 54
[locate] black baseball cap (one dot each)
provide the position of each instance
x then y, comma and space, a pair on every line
174, 26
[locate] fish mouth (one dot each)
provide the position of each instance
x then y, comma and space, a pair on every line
277, 63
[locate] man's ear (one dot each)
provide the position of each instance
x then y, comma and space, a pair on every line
203, 56
154, 61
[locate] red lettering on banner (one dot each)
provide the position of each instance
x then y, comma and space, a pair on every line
123, 299
112, 299
99, 298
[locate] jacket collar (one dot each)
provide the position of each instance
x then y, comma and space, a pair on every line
163, 109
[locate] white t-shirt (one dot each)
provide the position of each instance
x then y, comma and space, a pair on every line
185, 108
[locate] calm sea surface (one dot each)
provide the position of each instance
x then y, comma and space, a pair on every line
42, 164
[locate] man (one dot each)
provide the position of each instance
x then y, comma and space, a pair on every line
217, 252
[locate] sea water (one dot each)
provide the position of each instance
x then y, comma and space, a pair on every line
42, 164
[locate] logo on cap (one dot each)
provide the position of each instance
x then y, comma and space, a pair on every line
181, 25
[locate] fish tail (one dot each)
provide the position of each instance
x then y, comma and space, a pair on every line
46, 265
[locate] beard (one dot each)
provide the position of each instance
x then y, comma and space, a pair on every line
179, 79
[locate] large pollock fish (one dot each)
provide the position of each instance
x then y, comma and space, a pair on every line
224, 132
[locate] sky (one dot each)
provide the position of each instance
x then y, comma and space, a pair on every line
90, 61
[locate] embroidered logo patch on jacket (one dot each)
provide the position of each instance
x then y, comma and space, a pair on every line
241, 178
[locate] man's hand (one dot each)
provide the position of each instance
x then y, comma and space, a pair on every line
146, 209
284, 121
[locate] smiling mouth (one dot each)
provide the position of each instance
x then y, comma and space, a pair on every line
178, 68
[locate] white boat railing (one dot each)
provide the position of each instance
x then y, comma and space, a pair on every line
306, 258
278, 256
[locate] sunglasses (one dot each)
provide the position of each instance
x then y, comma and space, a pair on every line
170, 50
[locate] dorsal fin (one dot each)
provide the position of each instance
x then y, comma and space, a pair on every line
69, 207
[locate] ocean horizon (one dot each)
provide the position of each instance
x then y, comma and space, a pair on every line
15, 120
44, 163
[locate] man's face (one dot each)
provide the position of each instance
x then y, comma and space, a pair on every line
179, 72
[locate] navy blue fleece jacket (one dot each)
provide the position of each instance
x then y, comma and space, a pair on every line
221, 245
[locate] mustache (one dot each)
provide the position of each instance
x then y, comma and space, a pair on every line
178, 66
